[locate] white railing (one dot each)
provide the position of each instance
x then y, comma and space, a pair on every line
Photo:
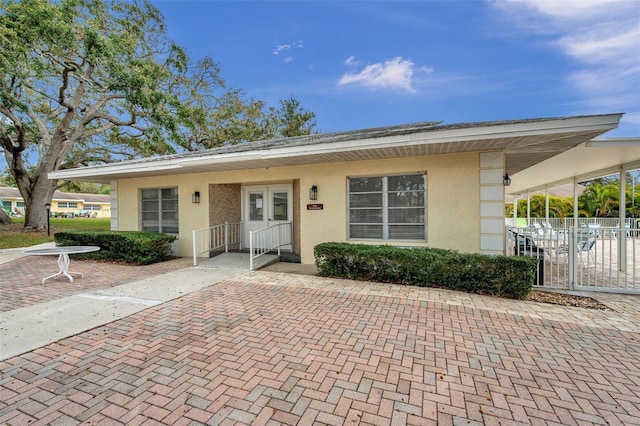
632, 224
215, 238
592, 257
268, 239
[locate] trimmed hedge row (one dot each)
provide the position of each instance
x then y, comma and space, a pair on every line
505, 276
134, 247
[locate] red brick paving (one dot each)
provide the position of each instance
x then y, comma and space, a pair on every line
21, 279
241, 352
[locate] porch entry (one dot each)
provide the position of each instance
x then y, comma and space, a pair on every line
264, 206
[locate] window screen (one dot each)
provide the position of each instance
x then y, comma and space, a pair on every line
388, 207
159, 210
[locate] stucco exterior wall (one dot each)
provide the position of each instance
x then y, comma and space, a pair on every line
453, 198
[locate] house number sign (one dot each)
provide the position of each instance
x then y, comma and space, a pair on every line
315, 206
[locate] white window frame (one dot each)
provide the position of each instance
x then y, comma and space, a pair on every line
67, 204
160, 221
385, 208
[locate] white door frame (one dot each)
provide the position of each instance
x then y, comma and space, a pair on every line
267, 208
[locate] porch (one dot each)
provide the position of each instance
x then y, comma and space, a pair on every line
225, 245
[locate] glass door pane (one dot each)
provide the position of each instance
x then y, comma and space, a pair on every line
256, 206
280, 205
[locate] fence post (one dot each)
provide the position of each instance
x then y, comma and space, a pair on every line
195, 257
226, 237
278, 238
572, 256
251, 250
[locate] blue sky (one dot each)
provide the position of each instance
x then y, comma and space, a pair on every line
360, 64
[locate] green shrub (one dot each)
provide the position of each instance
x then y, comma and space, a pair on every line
140, 248
505, 276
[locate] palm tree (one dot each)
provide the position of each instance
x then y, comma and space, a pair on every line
599, 199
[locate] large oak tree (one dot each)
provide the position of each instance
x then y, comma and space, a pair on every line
88, 81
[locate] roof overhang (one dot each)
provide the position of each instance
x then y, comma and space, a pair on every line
588, 160
525, 143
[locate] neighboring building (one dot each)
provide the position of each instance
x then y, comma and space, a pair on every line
69, 204
419, 185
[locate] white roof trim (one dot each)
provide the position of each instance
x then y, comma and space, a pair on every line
446, 135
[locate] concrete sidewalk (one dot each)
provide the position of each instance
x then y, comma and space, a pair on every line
8, 255
34, 326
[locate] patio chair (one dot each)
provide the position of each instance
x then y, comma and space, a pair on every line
627, 227
585, 243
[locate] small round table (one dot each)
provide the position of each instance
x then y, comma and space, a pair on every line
63, 258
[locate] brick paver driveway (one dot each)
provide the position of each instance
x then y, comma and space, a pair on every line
268, 348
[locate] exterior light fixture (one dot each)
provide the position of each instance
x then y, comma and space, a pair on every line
195, 198
506, 180
313, 193
48, 207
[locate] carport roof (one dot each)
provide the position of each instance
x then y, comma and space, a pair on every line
526, 143
588, 160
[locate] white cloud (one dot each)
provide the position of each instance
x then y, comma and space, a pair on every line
286, 48
282, 47
351, 61
601, 36
563, 11
396, 73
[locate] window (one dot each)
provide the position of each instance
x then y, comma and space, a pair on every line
159, 210
67, 205
91, 207
388, 207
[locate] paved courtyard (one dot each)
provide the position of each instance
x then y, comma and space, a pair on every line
273, 348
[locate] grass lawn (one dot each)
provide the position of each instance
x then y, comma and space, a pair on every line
15, 235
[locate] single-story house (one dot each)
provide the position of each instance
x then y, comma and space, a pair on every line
423, 185
62, 203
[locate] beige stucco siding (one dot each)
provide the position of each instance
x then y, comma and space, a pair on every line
452, 198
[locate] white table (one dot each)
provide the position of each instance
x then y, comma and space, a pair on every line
63, 258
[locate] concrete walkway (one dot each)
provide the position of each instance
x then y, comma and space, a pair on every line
34, 326
8, 255
277, 348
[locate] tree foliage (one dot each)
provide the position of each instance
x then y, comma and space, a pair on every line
88, 81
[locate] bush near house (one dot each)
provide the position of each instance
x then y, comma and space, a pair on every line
134, 247
506, 276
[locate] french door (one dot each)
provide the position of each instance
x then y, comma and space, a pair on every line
266, 205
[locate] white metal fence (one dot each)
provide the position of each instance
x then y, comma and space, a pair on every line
215, 238
589, 257
631, 224
269, 239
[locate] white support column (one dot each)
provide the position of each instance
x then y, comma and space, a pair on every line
575, 202
622, 233
113, 194
546, 203
492, 218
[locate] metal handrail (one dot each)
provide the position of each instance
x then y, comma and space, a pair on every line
268, 239
215, 237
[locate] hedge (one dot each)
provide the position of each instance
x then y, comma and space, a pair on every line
134, 247
505, 276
